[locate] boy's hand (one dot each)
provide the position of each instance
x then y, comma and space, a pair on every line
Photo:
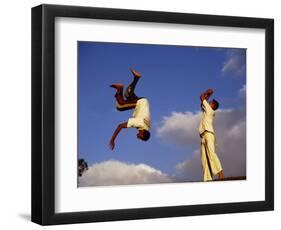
206, 95
210, 91
111, 144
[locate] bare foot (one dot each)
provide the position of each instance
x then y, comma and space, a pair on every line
117, 86
135, 73
221, 175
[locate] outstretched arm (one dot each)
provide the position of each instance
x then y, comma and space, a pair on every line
206, 95
115, 134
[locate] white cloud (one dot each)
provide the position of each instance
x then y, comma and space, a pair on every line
242, 91
230, 125
190, 169
235, 62
180, 128
114, 172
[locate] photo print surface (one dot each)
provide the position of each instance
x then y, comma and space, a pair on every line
150, 114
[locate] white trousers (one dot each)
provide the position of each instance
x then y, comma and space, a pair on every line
210, 162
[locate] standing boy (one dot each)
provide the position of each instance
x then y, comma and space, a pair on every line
210, 162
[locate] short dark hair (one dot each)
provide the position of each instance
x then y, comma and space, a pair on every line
146, 135
217, 104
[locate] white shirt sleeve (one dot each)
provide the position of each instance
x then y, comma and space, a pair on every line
206, 107
141, 116
135, 123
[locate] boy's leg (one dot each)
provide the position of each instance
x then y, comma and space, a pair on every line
212, 156
207, 175
130, 94
121, 103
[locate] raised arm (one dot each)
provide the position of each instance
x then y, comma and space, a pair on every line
115, 134
206, 95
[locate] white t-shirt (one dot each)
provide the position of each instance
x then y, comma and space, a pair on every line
141, 116
206, 122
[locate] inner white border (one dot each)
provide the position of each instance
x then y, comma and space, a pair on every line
69, 198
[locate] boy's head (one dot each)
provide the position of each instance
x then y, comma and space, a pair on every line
143, 135
214, 104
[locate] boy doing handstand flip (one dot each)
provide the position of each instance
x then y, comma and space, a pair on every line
141, 116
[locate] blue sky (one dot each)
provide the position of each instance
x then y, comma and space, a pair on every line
172, 79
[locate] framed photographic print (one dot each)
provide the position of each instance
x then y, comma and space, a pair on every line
142, 114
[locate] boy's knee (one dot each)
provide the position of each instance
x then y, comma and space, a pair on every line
120, 109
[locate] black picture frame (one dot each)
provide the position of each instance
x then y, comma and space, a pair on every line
43, 114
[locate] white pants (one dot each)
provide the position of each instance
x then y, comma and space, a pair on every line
210, 162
